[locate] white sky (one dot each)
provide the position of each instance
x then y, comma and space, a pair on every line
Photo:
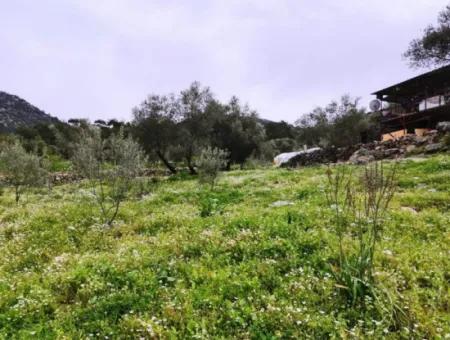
99, 58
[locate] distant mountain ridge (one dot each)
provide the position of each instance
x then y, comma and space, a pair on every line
15, 112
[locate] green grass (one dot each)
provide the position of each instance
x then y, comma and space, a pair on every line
182, 262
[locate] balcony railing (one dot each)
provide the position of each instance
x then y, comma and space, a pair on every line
427, 104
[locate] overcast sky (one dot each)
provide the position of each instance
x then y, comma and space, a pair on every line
99, 58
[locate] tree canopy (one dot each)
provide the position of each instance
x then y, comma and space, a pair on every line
433, 48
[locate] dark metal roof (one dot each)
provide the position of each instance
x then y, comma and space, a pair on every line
433, 80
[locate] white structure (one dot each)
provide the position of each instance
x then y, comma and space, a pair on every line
285, 157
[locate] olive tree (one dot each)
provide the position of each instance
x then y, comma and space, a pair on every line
20, 169
209, 164
110, 166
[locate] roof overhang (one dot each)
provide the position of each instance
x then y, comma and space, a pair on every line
429, 82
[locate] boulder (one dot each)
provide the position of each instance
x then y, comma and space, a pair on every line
362, 156
281, 204
410, 148
435, 147
430, 132
443, 127
409, 209
391, 153
420, 140
362, 159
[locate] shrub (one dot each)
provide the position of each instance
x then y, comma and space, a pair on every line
20, 169
359, 205
211, 161
110, 166
446, 139
209, 206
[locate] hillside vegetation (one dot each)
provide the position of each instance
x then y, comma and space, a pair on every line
250, 259
16, 112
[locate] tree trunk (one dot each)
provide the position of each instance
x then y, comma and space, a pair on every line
192, 170
17, 194
169, 166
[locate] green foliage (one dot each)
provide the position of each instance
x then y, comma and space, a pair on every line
446, 139
210, 163
177, 127
209, 206
270, 148
20, 169
433, 48
110, 166
359, 208
250, 270
57, 164
338, 124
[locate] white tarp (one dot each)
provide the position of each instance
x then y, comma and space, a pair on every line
285, 157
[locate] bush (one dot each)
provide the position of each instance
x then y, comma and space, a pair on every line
20, 169
359, 205
211, 161
110, 166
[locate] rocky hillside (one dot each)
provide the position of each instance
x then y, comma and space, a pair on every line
15, 112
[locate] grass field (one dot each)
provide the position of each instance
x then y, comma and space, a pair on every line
184, 262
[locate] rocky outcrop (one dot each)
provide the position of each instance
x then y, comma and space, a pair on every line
431, 142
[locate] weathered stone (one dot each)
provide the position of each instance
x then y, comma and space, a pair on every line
410, 148
362, 159
389, 153
281, 203
443, 127
361, 156
435, 147
409, 209
420, 140
430, 132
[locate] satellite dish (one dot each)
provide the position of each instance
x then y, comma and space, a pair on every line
375, 105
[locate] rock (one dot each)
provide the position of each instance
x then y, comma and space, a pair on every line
389, 153
361, 156
409, 209
435, 147
443, 127
388, 252
281, 203
362, 160
430, 132
410, 148
420, 140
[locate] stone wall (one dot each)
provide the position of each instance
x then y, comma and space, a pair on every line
431, 142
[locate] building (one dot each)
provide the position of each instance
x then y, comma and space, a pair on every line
415, 105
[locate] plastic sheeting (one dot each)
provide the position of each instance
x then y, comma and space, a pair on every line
285, 157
